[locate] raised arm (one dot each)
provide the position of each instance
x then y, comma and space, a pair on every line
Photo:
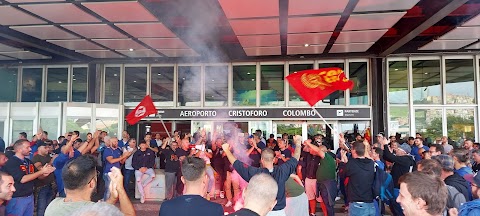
297, 139
66, 149
86, 148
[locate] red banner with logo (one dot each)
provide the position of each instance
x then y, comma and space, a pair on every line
315, 85
143, 109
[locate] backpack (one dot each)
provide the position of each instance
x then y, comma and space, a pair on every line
382, 185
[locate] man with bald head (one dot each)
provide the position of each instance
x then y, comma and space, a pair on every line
260, 196
112, 156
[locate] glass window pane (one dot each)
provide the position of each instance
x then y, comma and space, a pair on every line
189, 85
428, 122
460, 87
2, 128
337, 97
50, 125
112, 85
272, 85
294, 98
19, 126
79, 84
32, 85
359, 76
398, 82
460, 124
8, 82
81, 124
162, 85
57, 84
216, 85
244, 85
426, 82
399, 123
108, 124
135, 84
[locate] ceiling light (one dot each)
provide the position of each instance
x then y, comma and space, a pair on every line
134, 81
253, 79
426, 73
159, 74
73, 75
213, 80
114, 74
183, 78
74, 79
130, 49
248, 73
306, 45
396, 69
59, 81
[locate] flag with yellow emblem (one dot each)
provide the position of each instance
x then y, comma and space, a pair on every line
315, 85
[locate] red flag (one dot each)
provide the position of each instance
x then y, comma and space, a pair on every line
314, 85
368, 136
144, 108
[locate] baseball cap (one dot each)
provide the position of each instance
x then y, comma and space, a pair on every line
250, 137
41, 143
406, 148
445, 160
473, 178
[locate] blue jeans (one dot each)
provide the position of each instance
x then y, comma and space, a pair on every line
127, 175
20, 206
361, 209
106, 178
44, 197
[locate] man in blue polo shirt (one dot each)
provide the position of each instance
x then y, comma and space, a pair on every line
112, 156
279, 173
68, 153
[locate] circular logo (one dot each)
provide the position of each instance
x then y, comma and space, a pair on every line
140, 111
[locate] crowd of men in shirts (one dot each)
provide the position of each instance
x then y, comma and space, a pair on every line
275, 176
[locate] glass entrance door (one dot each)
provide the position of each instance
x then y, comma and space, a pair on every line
351, 128
314, 128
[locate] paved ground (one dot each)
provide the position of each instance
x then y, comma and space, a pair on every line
151, 208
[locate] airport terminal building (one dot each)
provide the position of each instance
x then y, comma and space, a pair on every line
81, 65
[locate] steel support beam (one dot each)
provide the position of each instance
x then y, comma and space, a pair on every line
432, 20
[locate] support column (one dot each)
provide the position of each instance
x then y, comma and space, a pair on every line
379, 96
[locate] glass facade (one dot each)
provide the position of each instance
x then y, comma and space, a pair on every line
426, 82
189, 86
112, 85
398, 82
216, 85
358, 73
437, 94
337, 97
460, 76
272, 85
8, 81
32, 81
244, 85
162, 82
57, 84
294, 98
79, 84
135, 84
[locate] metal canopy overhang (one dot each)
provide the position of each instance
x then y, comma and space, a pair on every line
228, 30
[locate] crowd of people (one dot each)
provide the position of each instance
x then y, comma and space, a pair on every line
285, 175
